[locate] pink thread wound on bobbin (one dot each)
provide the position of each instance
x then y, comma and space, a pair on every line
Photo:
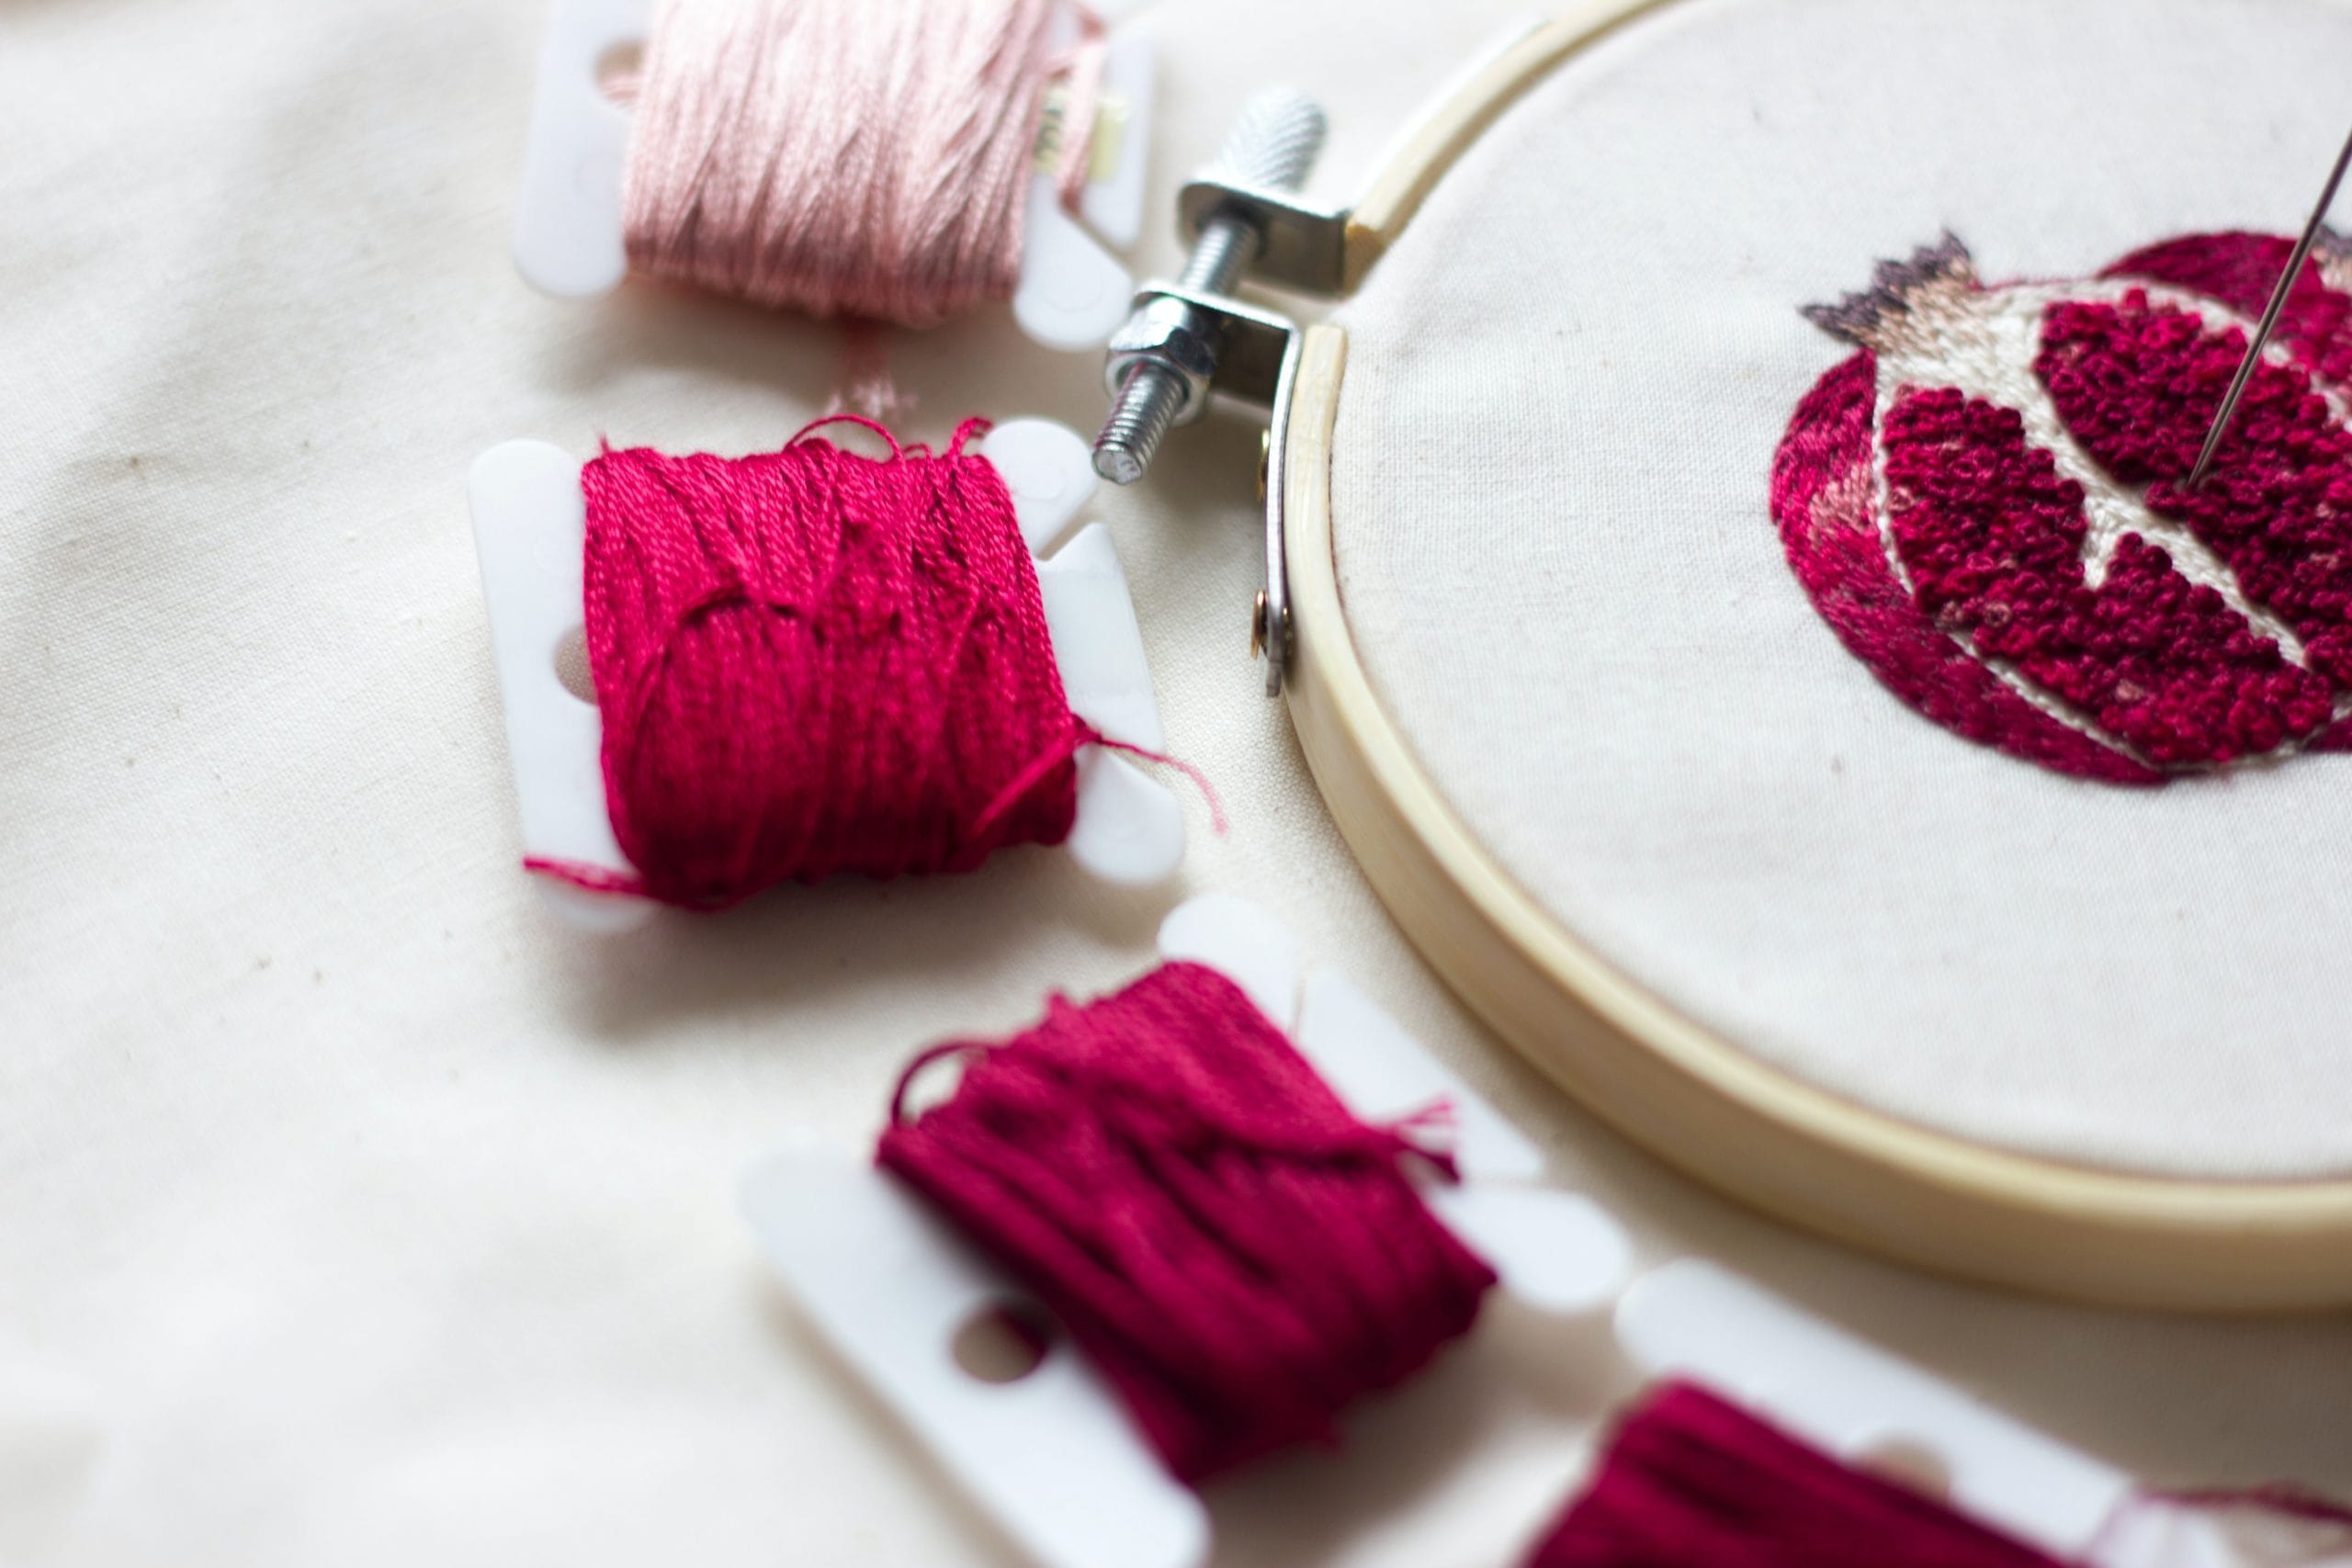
1237, 1253
1691, 1480
811, 662
857, 158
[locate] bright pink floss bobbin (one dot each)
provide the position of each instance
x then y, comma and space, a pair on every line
1237, 1253
864, 159
811, 663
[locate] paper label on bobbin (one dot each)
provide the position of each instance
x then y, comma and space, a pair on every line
567, 231
529, 522
1053, 1455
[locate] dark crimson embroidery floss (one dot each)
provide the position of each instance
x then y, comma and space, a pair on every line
2239, 270
1945, 544
811, 662
1693, 1481
1239, 1254
2275, 505
1993, 539
1823, 496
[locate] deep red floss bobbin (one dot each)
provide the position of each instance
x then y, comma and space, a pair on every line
1238, 1254
1692, 1480
811, 662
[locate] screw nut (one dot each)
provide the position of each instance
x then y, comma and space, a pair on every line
1170, 335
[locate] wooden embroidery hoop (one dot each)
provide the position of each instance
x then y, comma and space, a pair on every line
1697, 1100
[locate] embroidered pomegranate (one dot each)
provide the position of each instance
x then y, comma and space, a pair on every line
1988, 503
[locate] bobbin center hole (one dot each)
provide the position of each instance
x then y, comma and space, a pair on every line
571, 665
620, 71
1909, 1463
1003, 1341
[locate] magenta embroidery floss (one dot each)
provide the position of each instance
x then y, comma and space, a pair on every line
811, 663
1228, 1203
1987, 503
858, 159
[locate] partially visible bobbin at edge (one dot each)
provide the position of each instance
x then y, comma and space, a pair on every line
882, 179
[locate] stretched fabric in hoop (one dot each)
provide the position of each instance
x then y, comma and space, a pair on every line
1562, 398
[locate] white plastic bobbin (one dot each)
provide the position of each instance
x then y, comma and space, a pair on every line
530, 523
1850, 1399
1053, 1456
568, 242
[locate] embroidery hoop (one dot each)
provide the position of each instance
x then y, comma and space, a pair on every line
1796, 1148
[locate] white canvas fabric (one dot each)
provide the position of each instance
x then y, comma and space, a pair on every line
353, 1212
1550, 498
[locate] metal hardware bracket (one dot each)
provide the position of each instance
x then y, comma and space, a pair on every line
1305, 248
1187, 339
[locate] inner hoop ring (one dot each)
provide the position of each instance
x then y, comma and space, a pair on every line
1691, 1097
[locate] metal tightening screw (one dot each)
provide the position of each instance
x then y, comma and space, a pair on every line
1272, 146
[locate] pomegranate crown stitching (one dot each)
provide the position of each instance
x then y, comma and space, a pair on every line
1858, 317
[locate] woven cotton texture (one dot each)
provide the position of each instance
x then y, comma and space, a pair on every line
1566, 387
357, 1212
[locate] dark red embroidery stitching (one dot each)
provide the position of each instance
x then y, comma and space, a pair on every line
2239, 270
2129, 666
1992, 539
2276, 503
1822, 499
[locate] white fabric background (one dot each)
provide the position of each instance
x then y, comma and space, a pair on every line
1582, 357
354, 1213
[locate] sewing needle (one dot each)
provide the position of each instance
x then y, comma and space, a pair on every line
2270, 317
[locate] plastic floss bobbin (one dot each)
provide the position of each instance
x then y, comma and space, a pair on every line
1072, 295
1053, 1456
529, 521
1054, 1460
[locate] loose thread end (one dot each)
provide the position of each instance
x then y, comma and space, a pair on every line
587, 878
913, 1069
1089, 736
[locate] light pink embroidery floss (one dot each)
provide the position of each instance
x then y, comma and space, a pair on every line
861, 159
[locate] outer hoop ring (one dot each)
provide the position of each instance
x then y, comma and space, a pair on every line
1688, 1096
